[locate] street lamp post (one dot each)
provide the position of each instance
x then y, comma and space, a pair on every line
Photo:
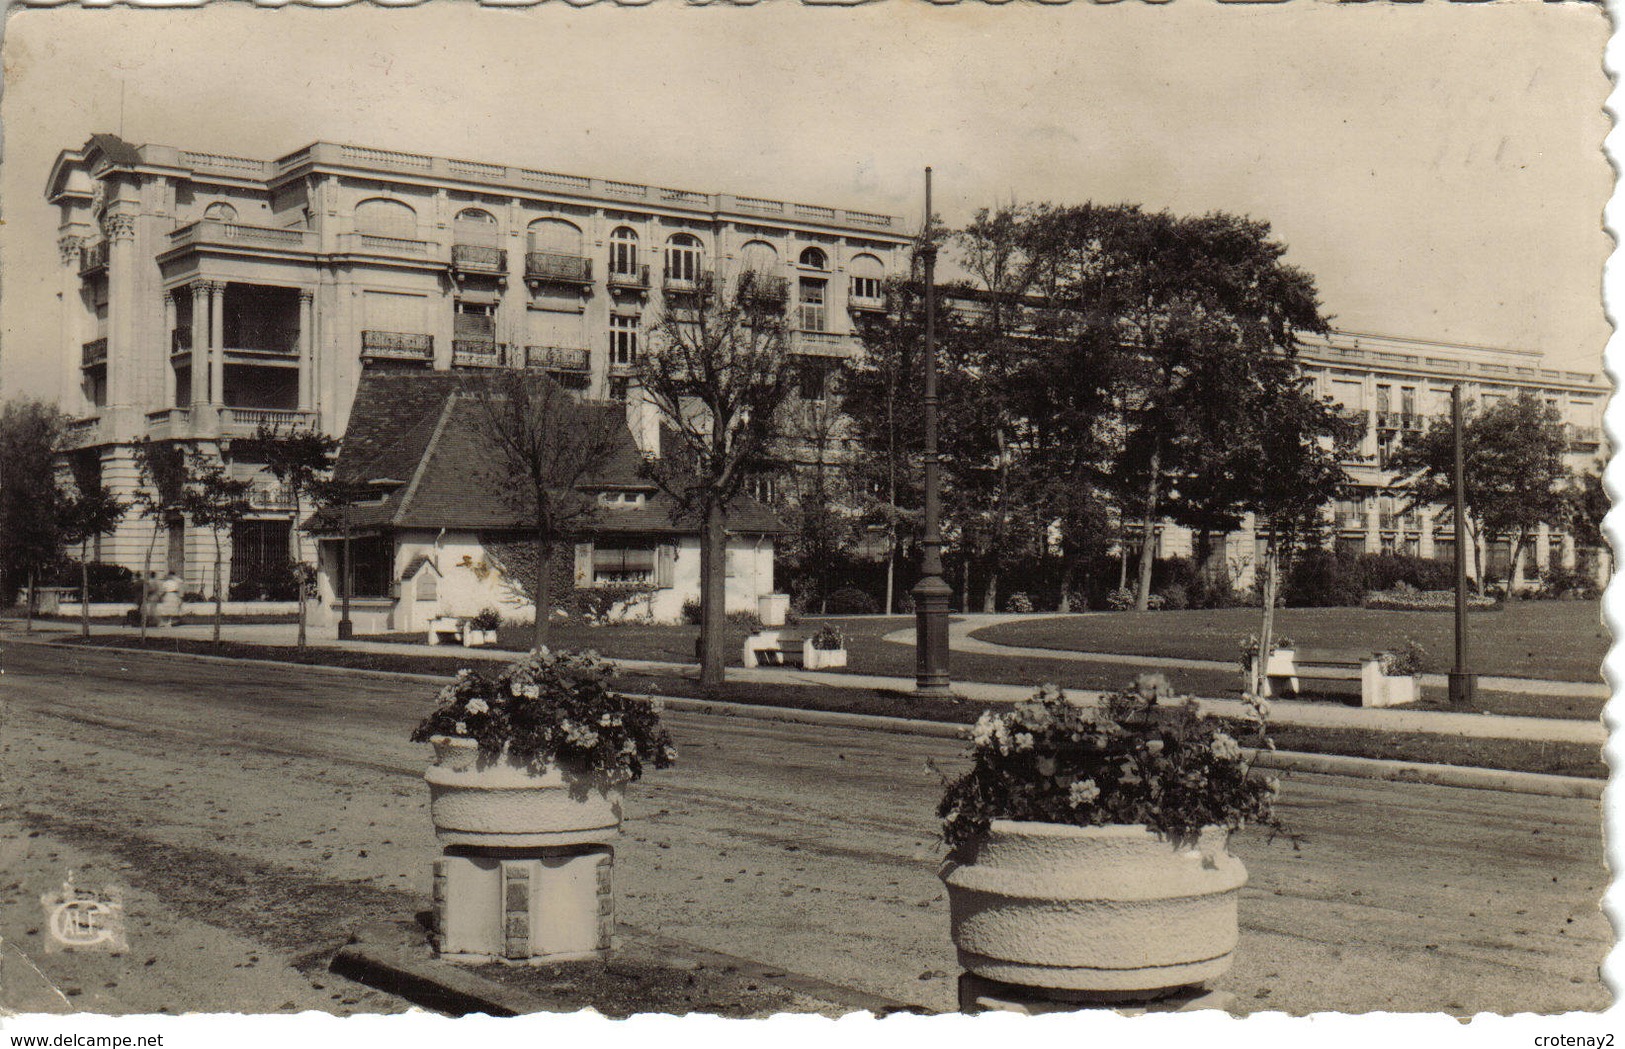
931, 593
1463, 685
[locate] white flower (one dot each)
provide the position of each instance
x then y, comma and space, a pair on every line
460, 729
477, 706
986, 727
1023, 741
1224, 747
609, 720
1083, 792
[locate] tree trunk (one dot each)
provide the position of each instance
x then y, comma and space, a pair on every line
543, 591
219, 595
144, 592
1515, 575
891, 573
28, 605
298, 570
1069, 575
964, 583
84, 588
1148, 542
1470, 535
713, 595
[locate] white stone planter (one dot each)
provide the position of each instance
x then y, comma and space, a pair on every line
772, 609
503, 804
1391, 691
1108, 912
822, 658
478, 638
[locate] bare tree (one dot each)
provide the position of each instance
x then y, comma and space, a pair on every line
719, 369
541, 444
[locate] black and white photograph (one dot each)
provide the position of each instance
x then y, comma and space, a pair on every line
940, 512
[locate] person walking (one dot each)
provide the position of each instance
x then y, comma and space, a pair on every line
169, 600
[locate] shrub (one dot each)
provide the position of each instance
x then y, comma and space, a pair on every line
485, 619
691, 612
107, 582
1018, 602
850, 601
1130, 761
268, 582
597, 604
749, 620
1557, 582
1120, 600
1174, 597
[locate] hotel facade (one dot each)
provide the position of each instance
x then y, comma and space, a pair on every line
204, 295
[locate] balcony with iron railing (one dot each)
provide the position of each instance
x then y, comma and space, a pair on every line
479, 258
92, 258
397, 345
553, 266
558, 358
1583, 436
476, 353
252, 335
268, 494
696, 282
93, 353
866, 303
637, 277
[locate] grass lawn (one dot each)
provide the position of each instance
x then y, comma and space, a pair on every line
1518, 755
1561, 640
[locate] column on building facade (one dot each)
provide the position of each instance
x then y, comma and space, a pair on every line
72, 371
166, 351
307, 358
1424, 546
121, 370
1543, 546
217, 342
1373, 524
201, 355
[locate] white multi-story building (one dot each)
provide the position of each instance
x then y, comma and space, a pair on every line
203, 295
1401, 385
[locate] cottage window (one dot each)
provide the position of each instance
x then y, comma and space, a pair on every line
622, 564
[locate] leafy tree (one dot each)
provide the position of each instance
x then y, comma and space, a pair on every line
161, 499
541, 444
30, 526
300, 459
88, 512
1513, 470
814, 476
217, 501
719, 369
1185, 308
332, 497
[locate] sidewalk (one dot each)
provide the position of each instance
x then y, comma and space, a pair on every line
1286, 712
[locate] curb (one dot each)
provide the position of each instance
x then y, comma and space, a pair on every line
395, 957
1466, 777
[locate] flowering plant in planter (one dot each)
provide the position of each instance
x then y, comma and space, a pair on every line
1130, 761
829, 639
485, 619
548, 707
1407, 662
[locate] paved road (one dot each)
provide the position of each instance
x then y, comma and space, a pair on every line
287, 805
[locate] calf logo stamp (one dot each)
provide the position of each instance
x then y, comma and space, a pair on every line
81, 919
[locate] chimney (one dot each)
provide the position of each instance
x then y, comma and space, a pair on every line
643, 419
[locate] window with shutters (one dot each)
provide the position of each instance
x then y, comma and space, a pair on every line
622, 564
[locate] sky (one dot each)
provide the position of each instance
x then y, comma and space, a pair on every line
1437, 167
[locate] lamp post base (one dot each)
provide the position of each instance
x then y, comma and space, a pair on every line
346, 630
1463, 688
931, 597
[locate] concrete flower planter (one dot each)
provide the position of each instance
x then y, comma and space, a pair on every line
478, 638
1108, 913
504, 804
822, 658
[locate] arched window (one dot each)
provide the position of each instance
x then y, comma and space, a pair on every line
386, 218
220, 211
758, 256
475, 226
623, 251
867, 274
814, 258
553, 236
684, 258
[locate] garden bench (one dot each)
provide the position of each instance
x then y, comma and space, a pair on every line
773, 649
1325, 664
445, 630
